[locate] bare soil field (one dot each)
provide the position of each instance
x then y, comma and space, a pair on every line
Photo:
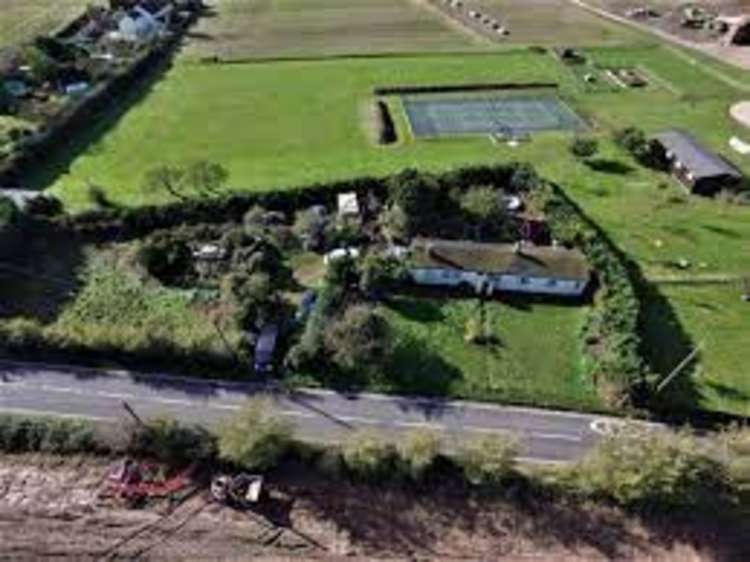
246, 29
21, 20
51, 509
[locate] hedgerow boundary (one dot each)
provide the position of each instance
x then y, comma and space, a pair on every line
611, 340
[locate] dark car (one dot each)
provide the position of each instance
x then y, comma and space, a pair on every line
265, 348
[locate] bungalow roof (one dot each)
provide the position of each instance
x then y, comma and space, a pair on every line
509, 259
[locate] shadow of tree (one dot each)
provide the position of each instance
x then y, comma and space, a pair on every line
40, 275
613, 167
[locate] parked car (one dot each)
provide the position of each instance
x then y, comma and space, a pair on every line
265, 349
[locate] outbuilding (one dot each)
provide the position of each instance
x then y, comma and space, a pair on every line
699, 169
540, 270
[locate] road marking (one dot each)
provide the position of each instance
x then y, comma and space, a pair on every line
54, 414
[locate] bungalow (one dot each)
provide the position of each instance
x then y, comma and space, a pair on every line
697, 168
541, 270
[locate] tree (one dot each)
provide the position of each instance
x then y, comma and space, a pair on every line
418, 451
379, 274
43, 68
484, 209
584, 147
9, 213
360, 339
206, 177
168, 258
419, 197
367, 455
640, 467
252, 295
524, 179
489, 460
165, 178
6, 100
255, 438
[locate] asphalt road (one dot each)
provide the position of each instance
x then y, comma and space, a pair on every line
317, 415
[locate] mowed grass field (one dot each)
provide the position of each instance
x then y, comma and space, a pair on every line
22, 20
241, 29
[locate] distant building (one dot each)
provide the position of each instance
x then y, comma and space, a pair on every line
541, 270
700, 170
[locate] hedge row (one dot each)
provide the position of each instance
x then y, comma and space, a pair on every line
612, 337
458, 88
122, 224
33, 435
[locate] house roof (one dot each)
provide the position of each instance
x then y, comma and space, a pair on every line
699, 160
529, 261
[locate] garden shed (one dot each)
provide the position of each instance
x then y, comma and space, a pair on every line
699, 169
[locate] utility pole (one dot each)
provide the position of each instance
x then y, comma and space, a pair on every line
677, 370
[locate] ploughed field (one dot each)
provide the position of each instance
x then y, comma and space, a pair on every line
242, 29
22, 20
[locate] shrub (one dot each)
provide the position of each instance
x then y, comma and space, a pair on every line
170, 442
584, 147
489, 460
255, 438
654, 469
379, 274
368, 456
485, 213
167, 257
418, 451
28, 435
360, 339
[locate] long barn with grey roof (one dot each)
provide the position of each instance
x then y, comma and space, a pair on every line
695, 166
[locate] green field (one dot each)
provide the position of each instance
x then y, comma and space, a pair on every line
244, 29
537, 357
22, 20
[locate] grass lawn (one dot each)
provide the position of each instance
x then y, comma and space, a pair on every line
537, 358
243, 29
22, 20
719, 322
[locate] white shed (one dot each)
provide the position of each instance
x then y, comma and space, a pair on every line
348, 205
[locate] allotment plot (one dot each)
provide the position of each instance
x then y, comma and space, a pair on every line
489, 115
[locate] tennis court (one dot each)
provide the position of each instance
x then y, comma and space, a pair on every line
431, 116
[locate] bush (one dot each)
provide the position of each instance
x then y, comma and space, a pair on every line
172, 443
489, 460
379, 274
29, 435
44, 206
584, 147
360, 339
657, 469
418, 452
368, 456
255, 438
167, 257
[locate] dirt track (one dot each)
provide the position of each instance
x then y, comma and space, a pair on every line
51, 510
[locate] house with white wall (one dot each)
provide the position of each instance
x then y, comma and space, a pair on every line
490, 268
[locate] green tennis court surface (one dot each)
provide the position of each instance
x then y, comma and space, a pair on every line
522, 114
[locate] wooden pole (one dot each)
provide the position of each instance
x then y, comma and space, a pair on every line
677, 370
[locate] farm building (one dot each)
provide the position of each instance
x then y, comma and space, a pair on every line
696, 167
541, 270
